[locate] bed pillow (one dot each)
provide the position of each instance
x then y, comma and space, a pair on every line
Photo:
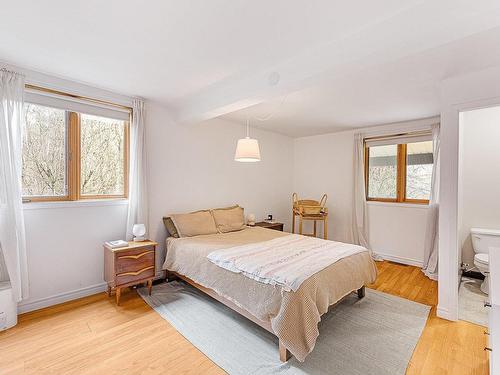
229, 219
194, 223
170, 227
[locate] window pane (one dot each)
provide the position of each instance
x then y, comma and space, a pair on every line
382, 171
44, 152
419, 164
102, 156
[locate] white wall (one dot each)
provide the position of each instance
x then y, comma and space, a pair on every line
480, 175
64, 248
397, 231
324, 164
192, 167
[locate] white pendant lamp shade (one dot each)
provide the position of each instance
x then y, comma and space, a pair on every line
247, 150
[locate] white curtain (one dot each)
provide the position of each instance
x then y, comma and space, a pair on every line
360, 210
138, 185
431, 251
12, 237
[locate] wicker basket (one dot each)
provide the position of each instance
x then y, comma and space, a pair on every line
309, 207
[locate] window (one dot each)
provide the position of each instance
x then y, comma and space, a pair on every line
399, 172
44, 161
69, 155
100, 175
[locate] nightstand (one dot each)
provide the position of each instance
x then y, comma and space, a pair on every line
265, 224
131, 265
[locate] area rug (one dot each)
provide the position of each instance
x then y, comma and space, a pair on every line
471, 302
375, 335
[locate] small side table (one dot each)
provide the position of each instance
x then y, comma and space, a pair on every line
265, 224
131, 265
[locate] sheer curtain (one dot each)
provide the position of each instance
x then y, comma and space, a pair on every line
431, 251
12, 237
138, 185
360, 211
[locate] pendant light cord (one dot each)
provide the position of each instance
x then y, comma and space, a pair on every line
271, 115
268, 117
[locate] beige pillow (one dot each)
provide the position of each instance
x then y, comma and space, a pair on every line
229, 219
194, 223
169, 225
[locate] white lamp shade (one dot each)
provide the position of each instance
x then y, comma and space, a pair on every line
247, 150
139, 230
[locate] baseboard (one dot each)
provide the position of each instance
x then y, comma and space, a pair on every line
444, 313
60, 298
68, 296
402, 260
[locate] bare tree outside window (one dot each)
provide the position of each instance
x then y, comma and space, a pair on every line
102, 156
44, 152
419, 164
400, 172
382, 172
70, 156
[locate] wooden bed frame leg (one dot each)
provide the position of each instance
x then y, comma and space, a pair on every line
169, 276
285, 355
361, 292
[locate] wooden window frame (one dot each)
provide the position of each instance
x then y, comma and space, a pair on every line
400, 178
73, 165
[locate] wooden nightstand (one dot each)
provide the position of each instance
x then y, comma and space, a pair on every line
131, 265
265, 224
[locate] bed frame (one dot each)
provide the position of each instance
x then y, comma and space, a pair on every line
283, 351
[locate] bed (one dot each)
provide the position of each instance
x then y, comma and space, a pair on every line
292, 316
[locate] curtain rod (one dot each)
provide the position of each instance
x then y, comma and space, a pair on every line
74, 96
388, 136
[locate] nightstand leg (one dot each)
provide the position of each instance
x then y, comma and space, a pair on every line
293, 222
118, 295
150, 286
109, 291
325, 228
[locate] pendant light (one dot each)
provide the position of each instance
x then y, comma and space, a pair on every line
247, 149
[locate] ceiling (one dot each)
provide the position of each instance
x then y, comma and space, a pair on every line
167, 50
401, 90
337, 63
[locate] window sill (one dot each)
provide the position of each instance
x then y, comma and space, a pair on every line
398, 204
72, 204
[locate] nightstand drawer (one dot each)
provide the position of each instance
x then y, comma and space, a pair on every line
134, 261
131, 276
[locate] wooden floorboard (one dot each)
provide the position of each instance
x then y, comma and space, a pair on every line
94, 336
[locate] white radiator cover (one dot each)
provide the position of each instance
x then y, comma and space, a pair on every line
8, 308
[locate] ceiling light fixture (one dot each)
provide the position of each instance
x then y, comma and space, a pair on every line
247, 149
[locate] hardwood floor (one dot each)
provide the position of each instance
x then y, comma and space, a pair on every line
93, 336
445, 347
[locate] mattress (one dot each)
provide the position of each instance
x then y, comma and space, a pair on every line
294, 316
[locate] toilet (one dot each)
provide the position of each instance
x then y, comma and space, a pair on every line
482, 240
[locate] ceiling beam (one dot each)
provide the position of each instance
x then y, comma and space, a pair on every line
418, 28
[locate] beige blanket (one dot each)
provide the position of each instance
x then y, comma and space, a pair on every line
294, 316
